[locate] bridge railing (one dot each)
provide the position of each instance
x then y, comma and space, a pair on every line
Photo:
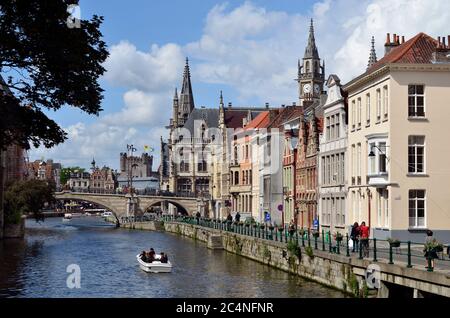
407, 253
146, 192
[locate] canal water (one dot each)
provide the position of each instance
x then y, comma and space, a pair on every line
37, 266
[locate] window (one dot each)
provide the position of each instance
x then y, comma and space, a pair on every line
378, 105
358, 162
323, 171
359, 110
417, 208
353, 164
332, 127
382, 157
368, 109
416, 154
385, 102
337, 134
327, 121
353, 115
386, 208
416, 101
372, 163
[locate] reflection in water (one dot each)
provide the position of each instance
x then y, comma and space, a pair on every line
36, 266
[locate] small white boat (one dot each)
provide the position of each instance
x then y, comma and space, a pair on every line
67, 217
154, 267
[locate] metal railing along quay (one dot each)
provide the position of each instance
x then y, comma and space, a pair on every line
409, 254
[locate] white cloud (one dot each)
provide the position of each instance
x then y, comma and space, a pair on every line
151, 71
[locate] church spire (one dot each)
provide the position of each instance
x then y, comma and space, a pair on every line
186, 97
373, 55
175, 109
311, 48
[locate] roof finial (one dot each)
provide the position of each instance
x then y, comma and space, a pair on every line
373, 55
175, 97
221, 99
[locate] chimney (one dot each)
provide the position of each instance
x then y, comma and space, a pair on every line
230, 105
448, 38
390, 45
403, 39
283, 105
267, 105
294, 104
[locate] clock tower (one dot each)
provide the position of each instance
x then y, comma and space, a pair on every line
311, 74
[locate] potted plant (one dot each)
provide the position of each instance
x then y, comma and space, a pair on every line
262, 226
316, 233
393, 242
434, 246
301, 232
247, 224
338, 237
280, 229
255, 225
271, 227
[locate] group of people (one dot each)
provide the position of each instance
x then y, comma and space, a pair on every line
150, 256
360, 235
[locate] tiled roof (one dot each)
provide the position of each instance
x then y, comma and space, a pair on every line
261, 121
285, 114
233, 117
417, 50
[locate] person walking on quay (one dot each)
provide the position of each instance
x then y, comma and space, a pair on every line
229, 221
364, 237
237, 217
430, 253
198, 215
291, 229
354, 235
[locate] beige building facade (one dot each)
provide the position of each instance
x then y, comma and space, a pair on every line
397, 172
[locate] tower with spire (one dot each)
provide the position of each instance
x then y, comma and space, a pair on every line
373, 55
311, 74
186, 101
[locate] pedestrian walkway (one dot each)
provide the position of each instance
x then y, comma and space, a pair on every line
407, 254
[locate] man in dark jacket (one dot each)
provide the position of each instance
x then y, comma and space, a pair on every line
198, 215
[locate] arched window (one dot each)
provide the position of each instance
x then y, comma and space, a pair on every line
236, 178
307, 67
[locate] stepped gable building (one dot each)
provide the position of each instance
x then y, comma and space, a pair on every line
311, 81
397, 141
102, 180
332, 161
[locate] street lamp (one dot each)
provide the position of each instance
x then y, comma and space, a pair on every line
372, 153
130, 151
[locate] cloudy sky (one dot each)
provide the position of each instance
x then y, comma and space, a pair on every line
248, 49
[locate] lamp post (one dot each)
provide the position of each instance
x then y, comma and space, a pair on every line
130, 151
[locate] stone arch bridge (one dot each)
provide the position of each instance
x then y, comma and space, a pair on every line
119, 204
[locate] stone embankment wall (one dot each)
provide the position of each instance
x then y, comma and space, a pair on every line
333, 270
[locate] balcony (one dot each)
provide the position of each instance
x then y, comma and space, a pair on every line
379, 179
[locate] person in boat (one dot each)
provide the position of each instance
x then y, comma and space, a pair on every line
164, 258
143, 256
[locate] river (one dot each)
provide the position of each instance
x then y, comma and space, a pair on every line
37, 266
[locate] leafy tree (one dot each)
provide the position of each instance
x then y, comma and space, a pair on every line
23, 197
46, 65
65, 173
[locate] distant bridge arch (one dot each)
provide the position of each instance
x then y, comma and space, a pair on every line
118, 203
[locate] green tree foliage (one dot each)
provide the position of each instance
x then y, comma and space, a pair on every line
65, 173
46, 65
24, 197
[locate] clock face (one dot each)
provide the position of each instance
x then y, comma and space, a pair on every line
316, 88
307, 88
